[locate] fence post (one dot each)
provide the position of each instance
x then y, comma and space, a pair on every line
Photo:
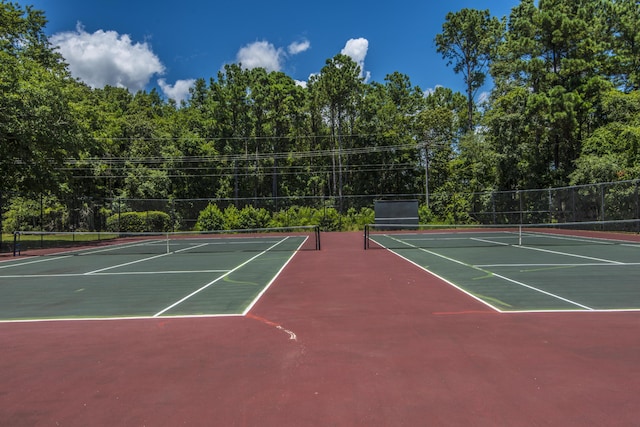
550, 206
602, 201
637, 207
519, 194
41, 212
493, 207
635, 191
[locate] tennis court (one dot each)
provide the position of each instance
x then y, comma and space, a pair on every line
338, 332
525, 268
144, 275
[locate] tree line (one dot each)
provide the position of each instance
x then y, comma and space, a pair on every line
564, 109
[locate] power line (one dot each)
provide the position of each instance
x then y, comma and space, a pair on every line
248, 156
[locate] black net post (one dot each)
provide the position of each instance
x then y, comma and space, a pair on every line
317, 231
366, 236
16, 243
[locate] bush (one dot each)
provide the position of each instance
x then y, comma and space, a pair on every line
232, 218
328, 218
425, 215
251, 217
137, 222
292, 217
356, 220
27, 214
210, 218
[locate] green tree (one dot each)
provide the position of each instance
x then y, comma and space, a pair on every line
548, 89
38, 128
275, 108
230, 95
612, 152
624, 18
468, 40
386, 117
439, 127
340, 87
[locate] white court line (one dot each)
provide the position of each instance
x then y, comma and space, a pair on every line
123, 273
548, 251
191, 247
124, 264
127, 273
99, 319
586, 264
494, 274
217, 279
31, 276
42, 259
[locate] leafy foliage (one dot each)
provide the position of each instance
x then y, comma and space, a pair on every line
25, 214
138, 222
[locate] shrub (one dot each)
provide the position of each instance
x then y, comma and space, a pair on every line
251, 217
210, 218
46, 214
328, 218
356, 220
425, 215
231, 218
136, 222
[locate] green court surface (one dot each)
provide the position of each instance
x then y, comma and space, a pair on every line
536, 273
116, 282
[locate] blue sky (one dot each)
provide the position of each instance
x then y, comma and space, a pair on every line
141, 44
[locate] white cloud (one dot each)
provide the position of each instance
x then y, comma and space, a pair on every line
179, 91
264, 54
357, 50
298, 47
107, 58
431, 90
261, 54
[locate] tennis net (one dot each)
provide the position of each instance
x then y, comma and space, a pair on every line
121, 243
401, 236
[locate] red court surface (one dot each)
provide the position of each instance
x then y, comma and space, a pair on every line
344, 337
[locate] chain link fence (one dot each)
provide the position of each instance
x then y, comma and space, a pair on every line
610, 201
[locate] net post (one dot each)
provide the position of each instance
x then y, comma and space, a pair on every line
317, 232
168, 248
519, 234
366, 236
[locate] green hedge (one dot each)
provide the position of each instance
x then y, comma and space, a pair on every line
212, 218
137, 222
